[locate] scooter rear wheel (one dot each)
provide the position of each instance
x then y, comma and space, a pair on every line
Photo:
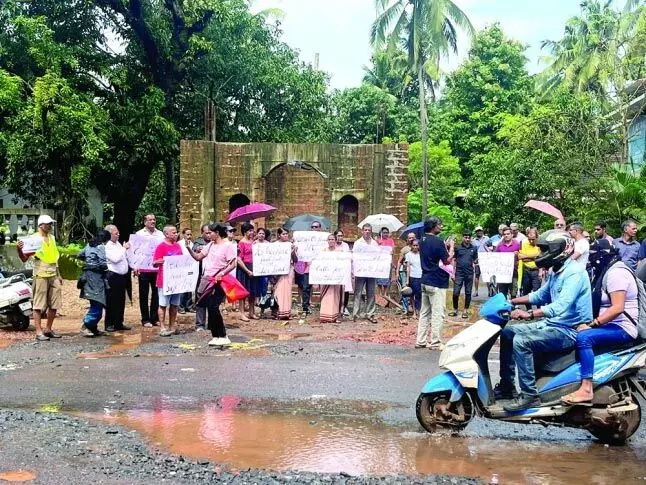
21, 324
436, 409
617, 434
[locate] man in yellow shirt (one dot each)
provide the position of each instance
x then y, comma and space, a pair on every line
528, 273
47, 288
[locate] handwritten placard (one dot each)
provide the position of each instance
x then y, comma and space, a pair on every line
330, 268
271, 258
141, 251
31, 244
500, 265
309, 243
180, 274
371, 261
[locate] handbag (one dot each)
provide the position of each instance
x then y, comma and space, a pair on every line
233, 289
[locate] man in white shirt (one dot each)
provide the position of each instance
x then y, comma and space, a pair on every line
117, 281
581, 245
148, 277
370, 284
515, 232
186, 300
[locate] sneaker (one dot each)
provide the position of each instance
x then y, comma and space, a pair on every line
522, 403
51, 334
87, 332
122, 327
110, 329
475, 294
438, 346
181, 311
465, 314
166, 332
418, 346
219, 341
148, 325
42, 337
453, 313
504, 392
199, 329
346, 312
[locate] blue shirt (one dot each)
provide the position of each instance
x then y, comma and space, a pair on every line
566, 298
433, 250
642, 250
495, 240
628, 252
480, 243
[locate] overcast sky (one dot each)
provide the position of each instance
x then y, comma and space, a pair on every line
339, 29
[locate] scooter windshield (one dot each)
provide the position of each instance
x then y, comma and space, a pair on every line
493, 307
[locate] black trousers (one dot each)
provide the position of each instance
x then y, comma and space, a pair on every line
148, 285
215, 320
463, 278
531, 282
116, 299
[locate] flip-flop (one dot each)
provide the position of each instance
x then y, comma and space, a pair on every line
569, 402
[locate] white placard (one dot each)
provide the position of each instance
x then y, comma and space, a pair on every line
31, 244
500, 265
180, 274
371, 261
309, 243
271, 258
330, 268
141, 251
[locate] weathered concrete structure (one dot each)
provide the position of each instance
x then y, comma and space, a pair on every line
344, 183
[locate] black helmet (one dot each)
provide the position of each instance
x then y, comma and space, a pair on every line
602, 255
556, 247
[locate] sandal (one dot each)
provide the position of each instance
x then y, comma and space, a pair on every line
372, 320
244, 318
572, 400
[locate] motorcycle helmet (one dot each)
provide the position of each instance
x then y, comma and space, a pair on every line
556, 247
602, 255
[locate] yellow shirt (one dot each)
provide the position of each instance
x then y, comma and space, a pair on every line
527, 249
46, 263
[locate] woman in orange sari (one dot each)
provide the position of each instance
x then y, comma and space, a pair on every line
283, 285
331, 295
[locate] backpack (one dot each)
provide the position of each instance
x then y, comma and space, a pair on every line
641, 301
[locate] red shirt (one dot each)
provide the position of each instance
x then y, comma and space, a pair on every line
245, 252
165, 249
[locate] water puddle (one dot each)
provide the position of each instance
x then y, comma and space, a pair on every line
17, 476
259, 437
121, 344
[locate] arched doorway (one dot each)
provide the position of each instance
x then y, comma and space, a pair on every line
237, 201
295, 191
348, 215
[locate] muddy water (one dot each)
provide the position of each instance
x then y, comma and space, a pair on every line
17, 476
253, 438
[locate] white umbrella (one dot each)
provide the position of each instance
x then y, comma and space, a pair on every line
377, 221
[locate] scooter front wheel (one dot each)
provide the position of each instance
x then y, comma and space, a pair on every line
436, 409
21, 323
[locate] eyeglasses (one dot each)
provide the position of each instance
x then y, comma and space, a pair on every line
316, 227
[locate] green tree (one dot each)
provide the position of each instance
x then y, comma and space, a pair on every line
428, 31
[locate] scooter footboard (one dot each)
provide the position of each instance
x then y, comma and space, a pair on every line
445, 382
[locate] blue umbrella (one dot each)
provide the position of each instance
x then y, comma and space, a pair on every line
417, 228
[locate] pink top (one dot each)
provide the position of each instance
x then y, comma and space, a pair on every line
245, 252
165, 249
386, 242
218, 257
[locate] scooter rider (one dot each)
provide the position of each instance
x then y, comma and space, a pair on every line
565, 302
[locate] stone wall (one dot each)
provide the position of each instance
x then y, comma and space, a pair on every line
296, 178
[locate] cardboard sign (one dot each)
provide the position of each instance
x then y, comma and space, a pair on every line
330, 268
271, 258
180, 274
500, 265
371, 261
141, 251
31, 244
309, 243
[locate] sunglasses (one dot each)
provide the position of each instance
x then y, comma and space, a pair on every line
316, 227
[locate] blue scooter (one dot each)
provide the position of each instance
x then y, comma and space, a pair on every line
453, 398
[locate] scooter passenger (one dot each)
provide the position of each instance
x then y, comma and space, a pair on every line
565, 301
615, 307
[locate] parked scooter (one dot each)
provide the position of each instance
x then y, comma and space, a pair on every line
15, 299
453, 398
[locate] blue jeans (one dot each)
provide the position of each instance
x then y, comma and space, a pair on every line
607, 335
93, 315
416, 286
523, 341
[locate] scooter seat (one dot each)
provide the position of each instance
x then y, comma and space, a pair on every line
559, 361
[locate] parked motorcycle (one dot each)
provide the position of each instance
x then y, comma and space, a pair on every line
453, 398
15, 299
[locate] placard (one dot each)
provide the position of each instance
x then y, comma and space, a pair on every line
31, 244
309, 243
271, 258
180, 274
500, 265
330, 268
371, 261
141, 251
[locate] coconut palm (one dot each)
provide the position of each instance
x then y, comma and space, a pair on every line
427, 30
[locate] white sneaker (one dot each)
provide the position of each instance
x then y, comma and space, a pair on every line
219, 341
225, 341
215, 341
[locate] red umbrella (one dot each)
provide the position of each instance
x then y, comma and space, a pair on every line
546, 207
251, 212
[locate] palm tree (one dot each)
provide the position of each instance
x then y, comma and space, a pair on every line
427, 30
389, 71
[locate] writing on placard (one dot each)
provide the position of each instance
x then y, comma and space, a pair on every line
272, 258
180, 274
31, 244
371, 261
141, 251
330, 268
500, 265
309, 243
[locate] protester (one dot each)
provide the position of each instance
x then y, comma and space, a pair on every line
528, 272
480, 242
148, 277
559, 224
627, 245
219, 259
509, 245
435, 282
47, 286
331, 295
93, 282
200, 242
466, 259
360, 283
262, 282
118, 281
600, 232
341, 245
581, 244
384, 240
186, 300
168, 247
516, 234
495, 240
283, 285
414, 276
302, 277
245, 271
401, 270
614, 308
